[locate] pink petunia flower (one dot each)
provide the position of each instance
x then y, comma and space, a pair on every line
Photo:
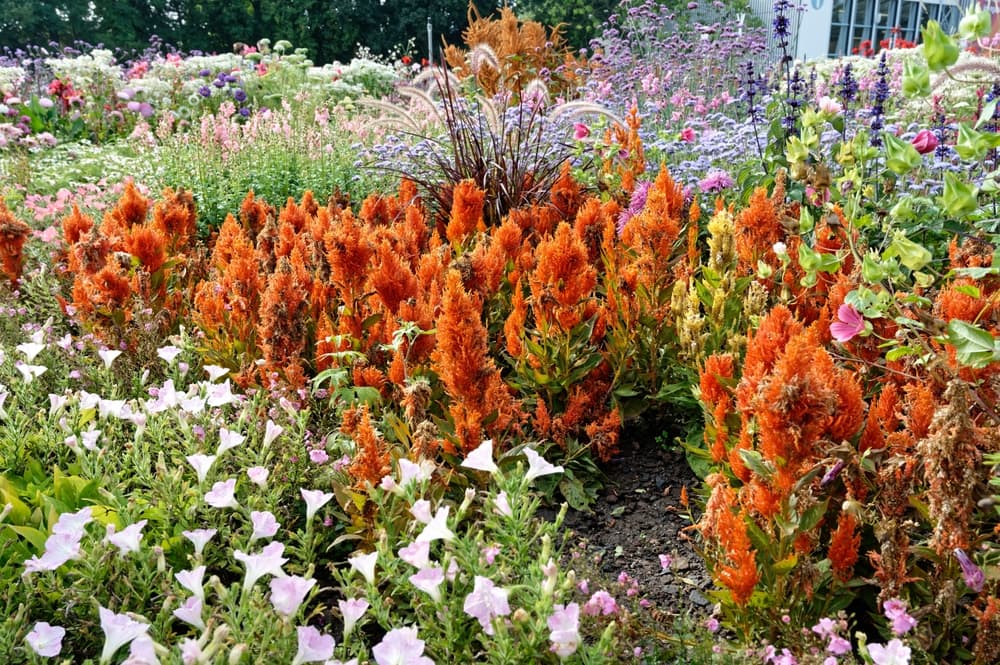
486, 602
400, 646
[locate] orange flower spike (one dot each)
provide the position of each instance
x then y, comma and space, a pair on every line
565, 193
844, 545
758, 227
112, 288
371, 457
462, 354
75, 225
148, 245
513, 327
562, 272
718, 369
466, 211
255, 213
590, 226
176, 218
130, 210
13, 235
348, 250
392, 279
763, 350
295, 215
740, 575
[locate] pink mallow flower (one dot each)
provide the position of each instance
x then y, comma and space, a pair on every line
849, 324
564, 625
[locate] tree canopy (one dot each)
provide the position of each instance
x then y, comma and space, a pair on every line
330, 29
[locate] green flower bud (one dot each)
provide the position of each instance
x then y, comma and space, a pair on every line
959, 197
970, 144
911, 254
900, 156
975, 24
903, 210
916, 79
871, 268
940, 50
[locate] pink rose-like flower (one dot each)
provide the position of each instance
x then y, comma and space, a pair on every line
687, 135
925, 141
848, 325
580, 131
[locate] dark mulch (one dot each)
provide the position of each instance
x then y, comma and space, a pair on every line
638, 516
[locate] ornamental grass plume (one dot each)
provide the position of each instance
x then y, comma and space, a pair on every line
13, 235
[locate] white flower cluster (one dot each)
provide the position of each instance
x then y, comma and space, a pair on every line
361, 76
10, 79
88, 69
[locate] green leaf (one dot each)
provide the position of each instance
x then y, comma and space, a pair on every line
974, 346
786, 565
34, 536
988, 110
755, 462
900, 352
811, 517
970, 290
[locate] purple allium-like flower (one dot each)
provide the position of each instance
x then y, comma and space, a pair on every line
240, 95
715, 182
635, 204
205, 91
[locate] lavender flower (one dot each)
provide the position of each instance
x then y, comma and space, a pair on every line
848, 86
880, 95
971, 573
